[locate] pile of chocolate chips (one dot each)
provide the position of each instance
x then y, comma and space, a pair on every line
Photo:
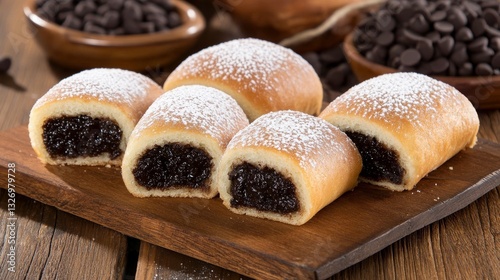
434, 37
111, 17
332, 67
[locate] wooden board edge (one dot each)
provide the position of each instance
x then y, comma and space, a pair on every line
443, 209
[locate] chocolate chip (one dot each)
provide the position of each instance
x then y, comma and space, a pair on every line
446, 45
433, 36
483, 69
5, 64
425, 68
131, 11
466, 69
456, 17
385, 21
443, 27
410, 57
464, 34
313, 59
336, 76
478, 44
478, 27
495, 44
459, 56
332, 56
111, 20
73, 22
174, 20
491, 17
425, 49
419, 24
385, 38
482, 57
84, 7
495, 61
440, 65
396, 51
452, 70
93, 28
116, 4
438, 16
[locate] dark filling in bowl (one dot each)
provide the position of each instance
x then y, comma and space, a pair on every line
173, 165
379, 162
81, 136
264, 189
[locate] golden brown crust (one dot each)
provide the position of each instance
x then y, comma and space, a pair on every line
424, 120
119, 95
319, 159
198, 116
261, 76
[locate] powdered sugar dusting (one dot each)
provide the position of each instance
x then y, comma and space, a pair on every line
397, 96
251, 60
196, 107
293, 132
104, 84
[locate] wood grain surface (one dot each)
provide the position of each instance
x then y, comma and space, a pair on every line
345, 232
53, 244
464, 245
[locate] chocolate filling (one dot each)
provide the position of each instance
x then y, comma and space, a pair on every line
173, 165
380, 163
264, 189
81, 136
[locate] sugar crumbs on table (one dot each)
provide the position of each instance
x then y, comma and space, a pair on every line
450, 168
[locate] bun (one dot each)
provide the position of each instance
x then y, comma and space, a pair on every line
261, 76
286, 166
176, 146
86, 119
405, 125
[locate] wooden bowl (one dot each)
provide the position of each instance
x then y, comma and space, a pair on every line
483, 92
81, 50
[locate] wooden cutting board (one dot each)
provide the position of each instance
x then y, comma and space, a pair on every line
355, 226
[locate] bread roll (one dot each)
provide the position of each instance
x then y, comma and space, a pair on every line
286, 166
175, 148
261, 76
86, 119
405, 125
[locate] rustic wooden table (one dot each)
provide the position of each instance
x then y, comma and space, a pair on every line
54, 244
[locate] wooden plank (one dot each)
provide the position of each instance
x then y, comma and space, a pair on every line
159, 263
52, 244
342, 234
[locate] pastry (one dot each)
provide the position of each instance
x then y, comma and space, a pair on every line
405, 125
261, 76
86, 119
286, 166
175, 148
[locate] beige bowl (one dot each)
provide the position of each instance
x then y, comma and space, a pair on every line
483, 92
80, 50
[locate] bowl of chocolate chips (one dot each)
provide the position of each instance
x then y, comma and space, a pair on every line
129, 34
455, 41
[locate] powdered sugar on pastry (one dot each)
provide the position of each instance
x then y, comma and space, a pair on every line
293, 132
241, 60
195, 107
102, 84
398, 96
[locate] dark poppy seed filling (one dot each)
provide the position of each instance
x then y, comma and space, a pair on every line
264, 189
81, 136
380, 163
173, 165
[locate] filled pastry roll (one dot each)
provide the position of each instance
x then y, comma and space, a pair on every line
286, 166
261, 76
404, 125
175, 148
86, 119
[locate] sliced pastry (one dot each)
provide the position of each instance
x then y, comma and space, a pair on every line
175, 148
405, 125
286, 166
261, 76
86, 119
